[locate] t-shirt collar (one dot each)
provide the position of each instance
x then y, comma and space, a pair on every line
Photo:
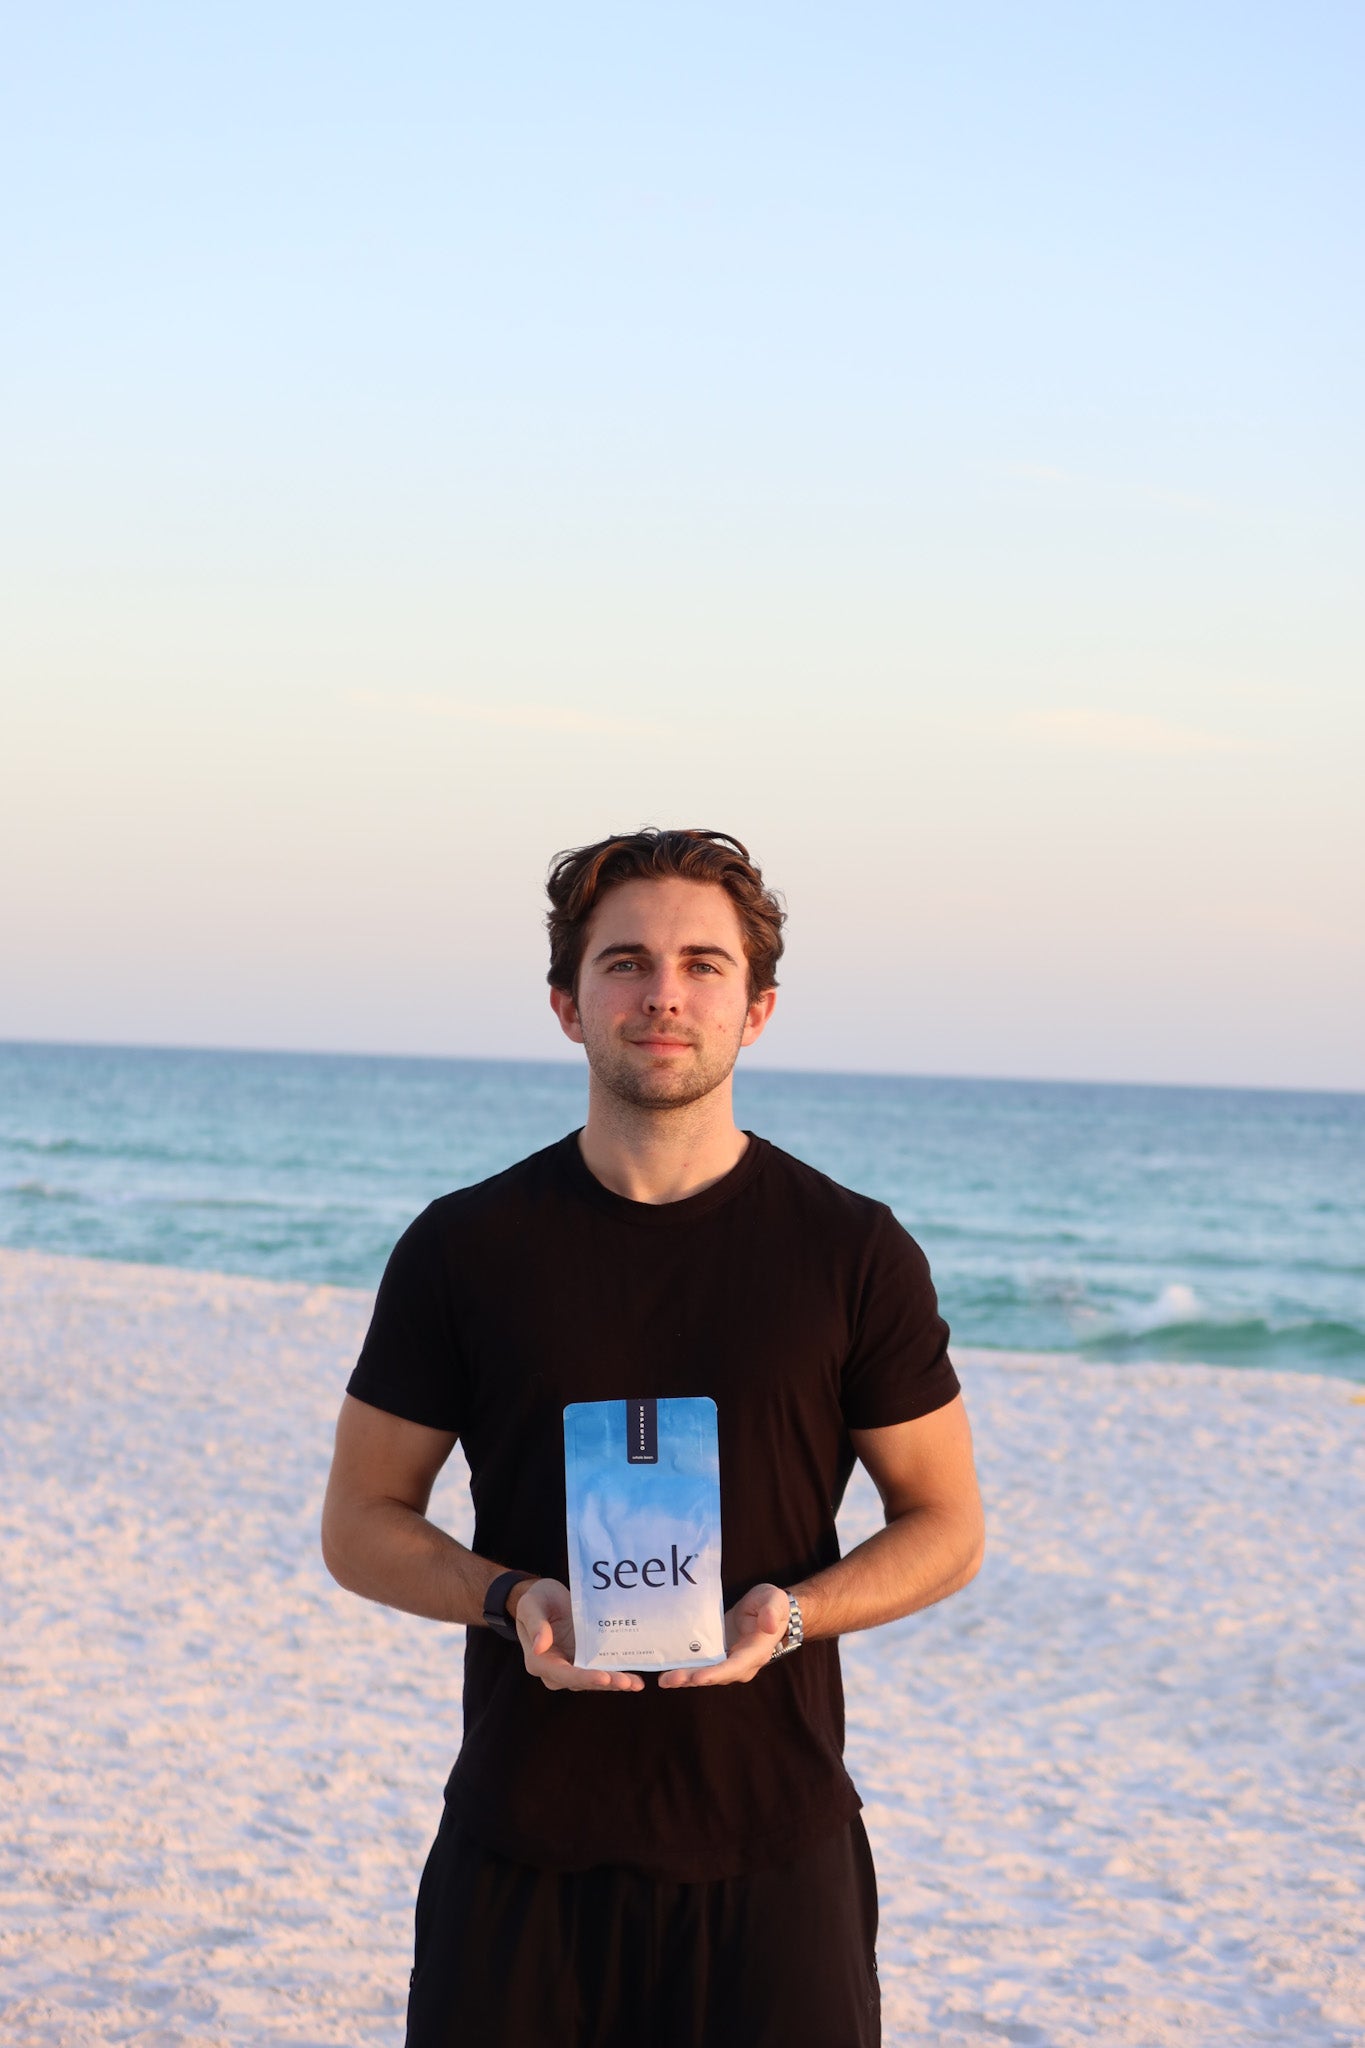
659, 1215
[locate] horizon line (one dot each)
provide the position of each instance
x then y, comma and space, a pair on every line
568, 1063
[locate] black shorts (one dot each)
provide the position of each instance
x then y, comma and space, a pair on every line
512, 1957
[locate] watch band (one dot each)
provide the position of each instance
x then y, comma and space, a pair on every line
495, 1615
796, 1629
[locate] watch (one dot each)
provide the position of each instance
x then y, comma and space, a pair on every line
796, 1629
495, 1615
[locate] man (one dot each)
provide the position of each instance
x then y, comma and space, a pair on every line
678, 1863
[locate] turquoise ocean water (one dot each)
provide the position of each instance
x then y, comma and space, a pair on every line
1221, 1225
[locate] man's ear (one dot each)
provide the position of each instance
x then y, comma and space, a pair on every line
566, 1009
757, 1016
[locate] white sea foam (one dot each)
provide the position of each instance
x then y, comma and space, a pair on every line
1114, 1787
1176, 1303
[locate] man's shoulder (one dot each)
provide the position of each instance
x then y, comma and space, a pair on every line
539, 1177
809, 1192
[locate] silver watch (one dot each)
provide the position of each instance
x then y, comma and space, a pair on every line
796, 1629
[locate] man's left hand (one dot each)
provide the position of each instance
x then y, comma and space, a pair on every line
754, 1627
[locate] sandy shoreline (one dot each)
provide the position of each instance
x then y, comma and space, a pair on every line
1115, 1788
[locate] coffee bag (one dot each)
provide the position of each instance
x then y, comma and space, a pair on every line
642, 1487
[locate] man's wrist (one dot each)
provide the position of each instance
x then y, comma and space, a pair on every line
514, 1597
500, 1603
795, 1633
807, 1598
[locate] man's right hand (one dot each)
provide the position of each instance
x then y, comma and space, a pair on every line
543, 1613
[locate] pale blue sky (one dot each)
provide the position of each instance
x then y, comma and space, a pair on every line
926, 442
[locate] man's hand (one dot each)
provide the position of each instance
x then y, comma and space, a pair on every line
754, 1627
544, 1617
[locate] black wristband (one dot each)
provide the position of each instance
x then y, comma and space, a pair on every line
495, 1613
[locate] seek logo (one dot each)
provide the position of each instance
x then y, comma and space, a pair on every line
653, 1573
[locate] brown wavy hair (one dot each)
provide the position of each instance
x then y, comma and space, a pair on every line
581, 876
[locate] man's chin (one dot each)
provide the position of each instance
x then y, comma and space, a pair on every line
665, 1094
661, 1090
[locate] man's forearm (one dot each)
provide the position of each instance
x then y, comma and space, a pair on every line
390, 1553
920, 1557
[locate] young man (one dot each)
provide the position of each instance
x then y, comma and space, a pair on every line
672, 1861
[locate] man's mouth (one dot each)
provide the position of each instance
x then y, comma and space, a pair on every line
662, 1044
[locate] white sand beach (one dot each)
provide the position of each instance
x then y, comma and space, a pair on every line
1115, 1788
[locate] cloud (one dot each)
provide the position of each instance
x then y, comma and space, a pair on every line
1125, 732
1038, 473
520, 717
1089, 493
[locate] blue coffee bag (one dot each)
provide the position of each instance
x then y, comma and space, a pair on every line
642, 1487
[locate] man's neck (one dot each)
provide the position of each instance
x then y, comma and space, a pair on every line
660, 1155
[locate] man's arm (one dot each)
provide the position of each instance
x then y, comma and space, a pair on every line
935, 1534
932, 1545
377, 1541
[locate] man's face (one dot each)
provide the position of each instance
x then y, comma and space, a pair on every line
662, 1006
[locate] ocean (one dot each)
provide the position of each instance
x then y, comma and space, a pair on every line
1225, 1226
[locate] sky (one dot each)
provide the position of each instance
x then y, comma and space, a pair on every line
924, 442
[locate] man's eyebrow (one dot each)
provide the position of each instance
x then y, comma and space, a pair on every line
719, 952
633, 949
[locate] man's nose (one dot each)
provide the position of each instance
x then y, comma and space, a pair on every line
663, 992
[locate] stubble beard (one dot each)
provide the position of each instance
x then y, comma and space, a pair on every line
668, 1085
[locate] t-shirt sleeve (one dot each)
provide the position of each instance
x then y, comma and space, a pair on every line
898, 1367
410, 1363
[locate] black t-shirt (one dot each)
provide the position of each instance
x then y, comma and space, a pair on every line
804, 1311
